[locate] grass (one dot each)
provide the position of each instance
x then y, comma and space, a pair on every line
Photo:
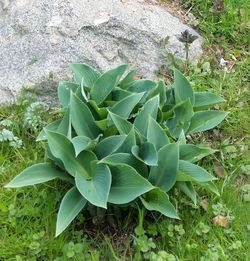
27, 215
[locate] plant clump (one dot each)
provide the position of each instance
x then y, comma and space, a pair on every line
123, 140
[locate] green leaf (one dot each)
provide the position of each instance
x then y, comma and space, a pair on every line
164, 175
84, 94
206, 120
53, 126
49, 156
182, 138
101, 112
156, 134
160, 90
106, 83
150, 108
206, 99
128, 79
124, 107
85, 74
188, 189
182, 88
63, 149
158, 200
35, 174
211, 187
64, 90
183, 113
194, 153
108, 145
191, 172
65, 127
82, 118
141, 86
125, 158
123, 126
102, 124
96, 190
72, 203
127, 185
146, 153
81, 143
79, 95
119, 94
128, 143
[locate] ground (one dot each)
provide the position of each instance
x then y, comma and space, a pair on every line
218, 228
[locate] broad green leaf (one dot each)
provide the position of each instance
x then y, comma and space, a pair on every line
82, 119
194, 153
127, 185
106, 83
100, 112
49, 156
167, 112
124, 107
109, 103
79, 95
160, 89
128, 143
65, 127
182, 138
72, 203
156, 134
85, 74
205, 99
191, 172
182, 88
110, 131
140, 139
63, 149
81, 143
125, 158
188, 189
170, 93
96, 190
164, 175
183, 113
150, 108
141, 86
128, 79
146, 153
210, 186
83, 91
119, 94
64, 90
206, 120
109, 145
158, 200
35, 174
123, 126
102, 124
53, 126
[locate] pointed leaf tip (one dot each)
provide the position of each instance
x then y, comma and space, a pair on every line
71, 205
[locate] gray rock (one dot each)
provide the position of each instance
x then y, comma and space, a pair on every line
38, 38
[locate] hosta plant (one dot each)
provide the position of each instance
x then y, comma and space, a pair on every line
122, 140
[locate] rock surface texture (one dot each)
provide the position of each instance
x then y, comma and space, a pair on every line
38, 38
